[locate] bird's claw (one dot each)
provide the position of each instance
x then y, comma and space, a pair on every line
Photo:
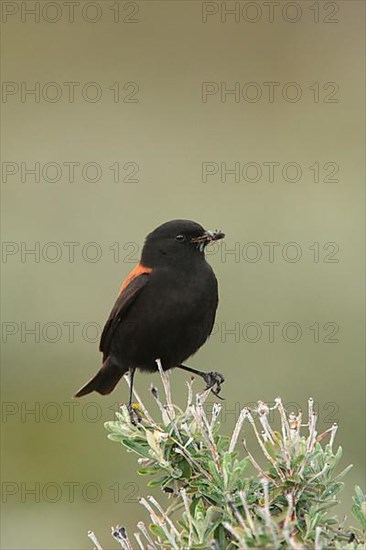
135, 415
214, 381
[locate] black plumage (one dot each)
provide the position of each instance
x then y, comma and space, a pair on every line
165, 310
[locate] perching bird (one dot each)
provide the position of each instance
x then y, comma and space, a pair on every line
165, 309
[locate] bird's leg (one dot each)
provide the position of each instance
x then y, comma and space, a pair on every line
131, 410
213, 379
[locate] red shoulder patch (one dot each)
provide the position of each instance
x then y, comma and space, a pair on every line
138, 270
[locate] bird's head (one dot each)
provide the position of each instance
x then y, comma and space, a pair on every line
175, 240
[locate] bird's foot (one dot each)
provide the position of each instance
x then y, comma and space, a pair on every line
134, 412
214, 381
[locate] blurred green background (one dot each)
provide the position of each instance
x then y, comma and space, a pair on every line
159, 131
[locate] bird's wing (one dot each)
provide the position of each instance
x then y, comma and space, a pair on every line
131, 288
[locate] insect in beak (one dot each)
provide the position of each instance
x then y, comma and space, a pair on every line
207, 237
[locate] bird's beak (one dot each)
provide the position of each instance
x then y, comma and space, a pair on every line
208, 237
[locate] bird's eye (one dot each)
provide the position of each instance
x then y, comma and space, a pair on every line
180, 238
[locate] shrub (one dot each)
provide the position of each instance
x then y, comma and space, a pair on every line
216, 503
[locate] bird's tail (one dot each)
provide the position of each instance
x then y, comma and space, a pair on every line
105, 380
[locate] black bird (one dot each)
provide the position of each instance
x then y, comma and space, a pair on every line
165, 309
